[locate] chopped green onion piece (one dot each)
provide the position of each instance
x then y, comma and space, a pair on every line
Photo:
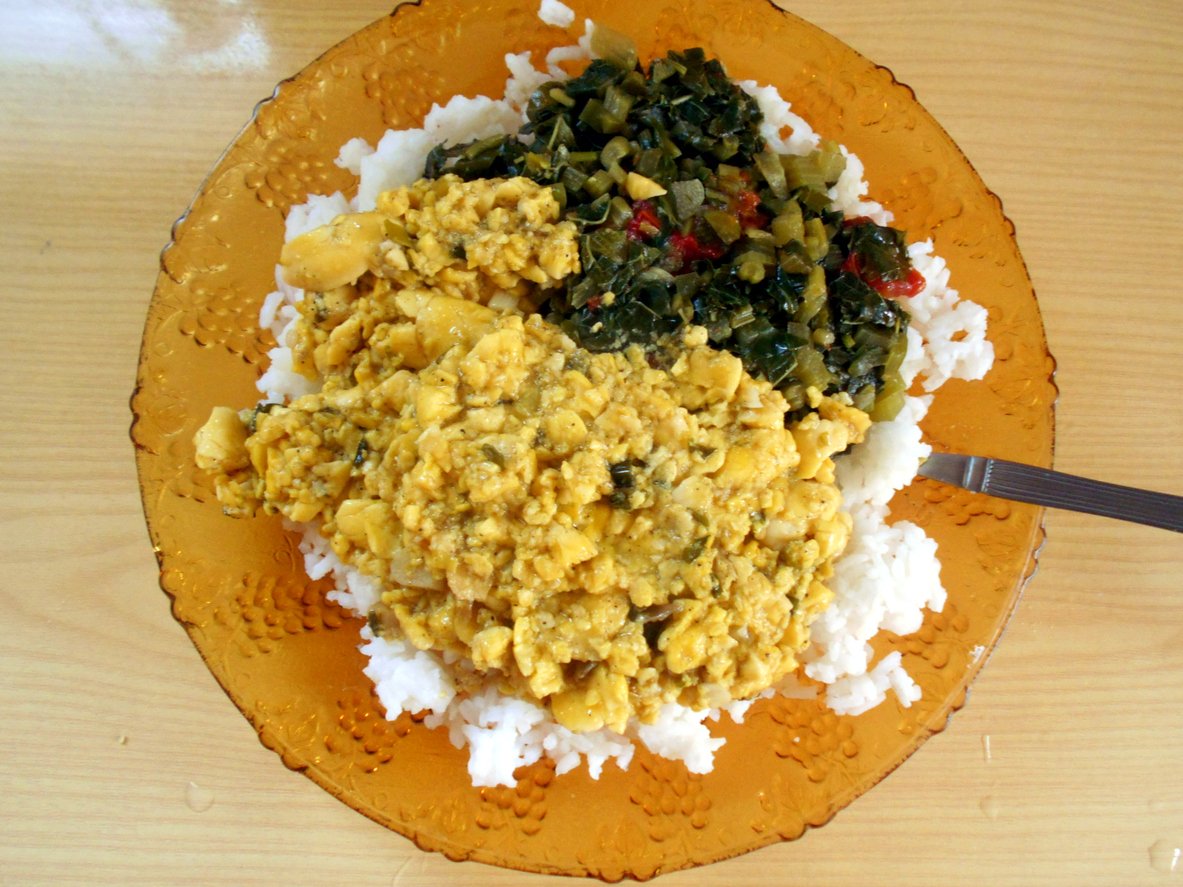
761, 242
729, 180
813, 297
617, 102
617, 149
614, 47
788, 224
481, 146
830, 161
396, 232
890, 399
741, 316
864, 398
896, 354
582, 157
794, 259
811, 369
817, 243
794, 395
561, 97
572, 178
726, 147
599, 118
802, 172
619, 212
774, 174
599, 183
724, 224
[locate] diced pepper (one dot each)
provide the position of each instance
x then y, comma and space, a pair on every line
645, 223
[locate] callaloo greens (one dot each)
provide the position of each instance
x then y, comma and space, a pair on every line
686, 217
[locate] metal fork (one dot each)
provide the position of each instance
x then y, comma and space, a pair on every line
1054, 489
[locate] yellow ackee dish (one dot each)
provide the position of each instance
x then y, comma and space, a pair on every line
589, 531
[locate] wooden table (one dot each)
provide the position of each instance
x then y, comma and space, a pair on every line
122, 762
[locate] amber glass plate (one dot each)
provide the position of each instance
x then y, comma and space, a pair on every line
289, 659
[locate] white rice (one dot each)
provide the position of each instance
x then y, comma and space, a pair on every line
556, 14
886, 579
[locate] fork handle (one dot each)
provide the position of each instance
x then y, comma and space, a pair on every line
1054, 489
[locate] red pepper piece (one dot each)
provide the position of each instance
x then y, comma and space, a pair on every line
907, 286
903, 287
645, 223
689, 248
746, 206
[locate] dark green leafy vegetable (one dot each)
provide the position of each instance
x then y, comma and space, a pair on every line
359, 457
742, 242
264, 408
494, 455
622, 475
695, 549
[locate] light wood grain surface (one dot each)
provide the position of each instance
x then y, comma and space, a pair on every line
122, 762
